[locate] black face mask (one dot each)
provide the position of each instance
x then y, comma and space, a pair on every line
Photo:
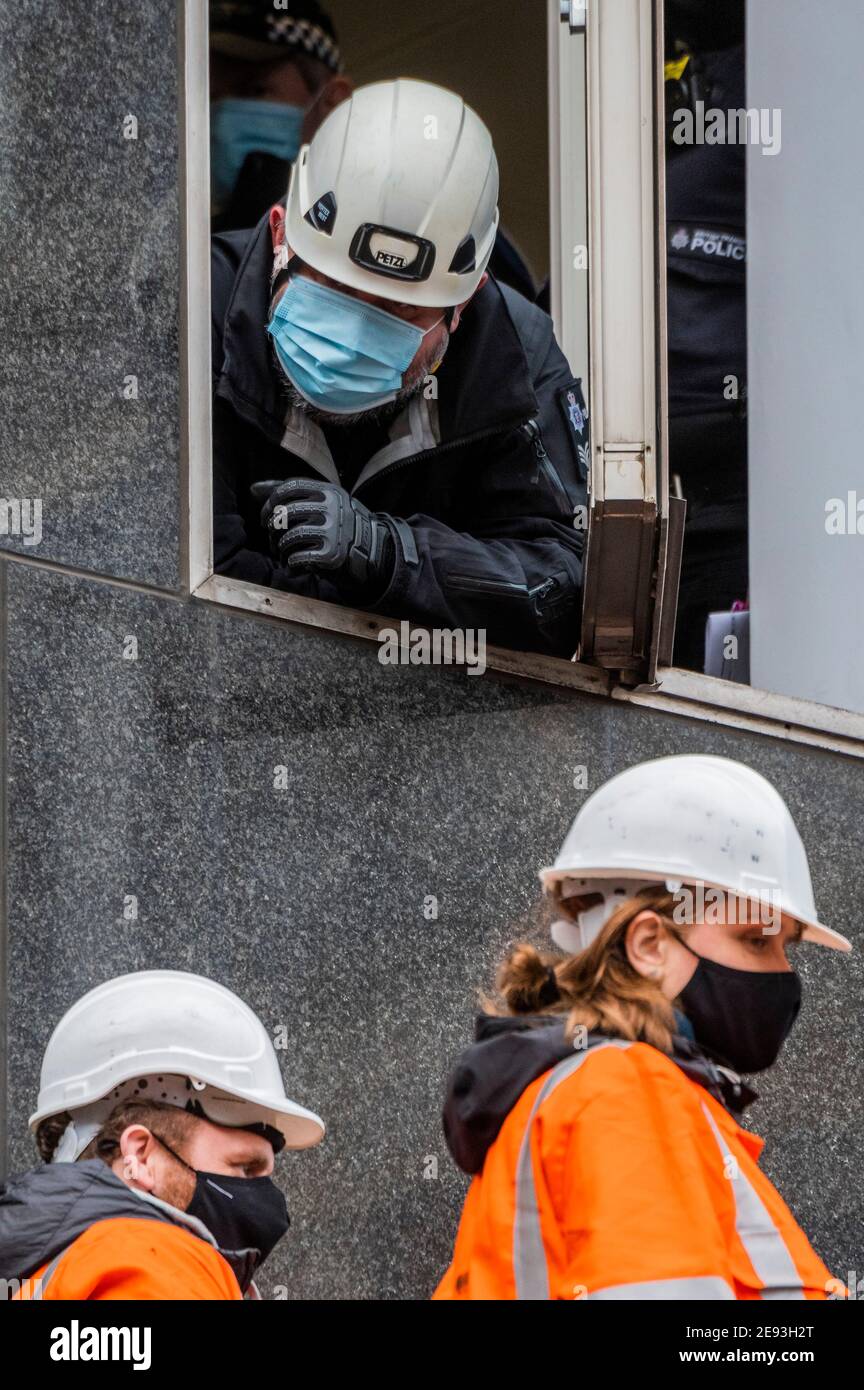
744, 1016
245, 1216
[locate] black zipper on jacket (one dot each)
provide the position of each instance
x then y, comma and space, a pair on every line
497, 586
532, 430
485, 586
542, 590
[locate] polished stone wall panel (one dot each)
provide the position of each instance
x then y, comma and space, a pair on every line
89, 224
154, 777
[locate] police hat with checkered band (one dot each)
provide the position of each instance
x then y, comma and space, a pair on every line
265, 30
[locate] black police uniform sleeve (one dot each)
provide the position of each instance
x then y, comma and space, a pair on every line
514, 565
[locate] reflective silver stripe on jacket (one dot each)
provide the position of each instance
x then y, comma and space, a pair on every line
768, 1251
699, 1287
529, 1255
760, 1237
39, 1285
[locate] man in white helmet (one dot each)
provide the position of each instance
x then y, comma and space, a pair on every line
160, 1113
413, 431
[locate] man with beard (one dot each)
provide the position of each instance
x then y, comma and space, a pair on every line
160, 1116
393, 428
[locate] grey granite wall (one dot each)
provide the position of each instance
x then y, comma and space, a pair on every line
89, 377
154, 777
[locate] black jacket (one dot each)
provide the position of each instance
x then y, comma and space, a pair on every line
510, 1053
706, 262
481, 484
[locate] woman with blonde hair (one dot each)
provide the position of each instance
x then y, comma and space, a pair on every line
597, 1109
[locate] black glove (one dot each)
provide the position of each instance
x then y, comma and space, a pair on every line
317, 527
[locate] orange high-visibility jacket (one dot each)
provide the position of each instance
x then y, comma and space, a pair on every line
616, 1176
130, 1258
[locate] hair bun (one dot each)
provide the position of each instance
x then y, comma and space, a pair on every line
527, 981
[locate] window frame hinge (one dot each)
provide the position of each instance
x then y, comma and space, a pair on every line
575, 14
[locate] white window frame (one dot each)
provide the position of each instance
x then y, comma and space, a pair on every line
201, 582
626, 371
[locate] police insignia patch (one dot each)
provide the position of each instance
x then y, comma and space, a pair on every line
575, 412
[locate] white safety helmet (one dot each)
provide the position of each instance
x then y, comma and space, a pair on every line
397, 195
692, 820
166, 1035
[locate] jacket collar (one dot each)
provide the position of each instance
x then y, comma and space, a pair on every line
484, 351
721, 1082
510, 1053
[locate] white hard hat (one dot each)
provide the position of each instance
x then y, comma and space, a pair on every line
171, 1036
691, 819
397, 195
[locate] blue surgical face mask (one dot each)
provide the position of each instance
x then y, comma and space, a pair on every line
342, 354
240, 126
